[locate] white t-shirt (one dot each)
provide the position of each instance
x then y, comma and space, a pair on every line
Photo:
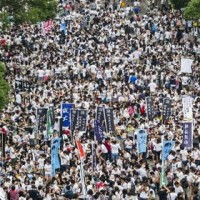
152, 86
115, 148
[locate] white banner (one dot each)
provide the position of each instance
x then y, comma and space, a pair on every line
186, 65
187, 107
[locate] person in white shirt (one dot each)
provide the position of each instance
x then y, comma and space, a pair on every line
115, 148
172, 194
152, 86
178, 188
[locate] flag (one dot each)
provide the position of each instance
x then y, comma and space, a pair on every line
150, 110
63, 27
41, 118
66, 114
98, 131
109, 119
80, 149
142, 140
186, 65
166, 148
166, 108
49, 123
47, 26
187, 128
55, 161
187, 108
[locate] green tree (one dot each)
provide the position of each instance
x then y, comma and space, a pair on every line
4, 87
178, 4
192, 11
30, 11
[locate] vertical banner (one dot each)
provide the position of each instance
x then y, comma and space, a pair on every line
94, 159
74, 118
98, 131
41, 114
2, 144
47, 26
166, 148
55, 161
187, 108
187, 128
82, 120
186, 65
80, 149
142, 140
100, 114
109, 120
66, 112
150, 109
49, 123
166, 108
52, 114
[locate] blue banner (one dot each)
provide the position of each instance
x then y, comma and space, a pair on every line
63, 27
142, 140
98, 131
166, 148
66, 114
55, 162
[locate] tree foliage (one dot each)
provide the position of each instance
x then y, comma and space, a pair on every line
178, 4
4, 87
192, 11
29, 11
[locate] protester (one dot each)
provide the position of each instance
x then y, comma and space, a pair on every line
106, 55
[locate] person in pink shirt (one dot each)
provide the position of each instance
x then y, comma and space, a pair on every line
13, 193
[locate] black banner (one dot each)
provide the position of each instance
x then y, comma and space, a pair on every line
100, 115
82, 120
166, 108
79, 120
74, 118
2, 144
109, 119
22, 85
41, 119
150, 109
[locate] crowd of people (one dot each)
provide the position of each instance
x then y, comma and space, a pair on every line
110, 55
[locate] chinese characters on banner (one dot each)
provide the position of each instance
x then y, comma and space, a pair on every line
141, 140
82, 120
150, 109
109, 120
100, 114
65, 112
41, 118
166, 148
187, 128
187, 108
98, 131
74, 117
79, 120
166, 108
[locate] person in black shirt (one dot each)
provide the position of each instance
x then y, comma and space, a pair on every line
163, 192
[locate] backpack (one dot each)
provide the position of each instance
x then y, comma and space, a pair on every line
184, 182
132, 190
